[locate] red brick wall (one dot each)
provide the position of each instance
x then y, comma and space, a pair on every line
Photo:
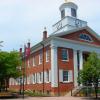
75, 36
63, 87
66, 65
36, 69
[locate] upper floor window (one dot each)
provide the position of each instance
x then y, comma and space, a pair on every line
62, 13
47, 55
40, 57
85, 37
64, 54
33, 61
73, 12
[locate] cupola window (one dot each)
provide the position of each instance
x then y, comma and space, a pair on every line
73, 12
62, 13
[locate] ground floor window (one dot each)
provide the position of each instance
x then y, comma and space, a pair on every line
67, 76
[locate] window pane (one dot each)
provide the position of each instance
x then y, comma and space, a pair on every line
62, 13
85, 37
34, 61
47, 56
73, 12
40, 57
40, 76
64, 54
47, 78
65, 75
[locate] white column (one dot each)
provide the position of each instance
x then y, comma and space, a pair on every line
54, 67
80, 60
75, 68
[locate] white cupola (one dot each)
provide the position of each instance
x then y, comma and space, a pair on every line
69, 20
68, 9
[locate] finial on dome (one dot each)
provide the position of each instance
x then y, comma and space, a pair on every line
67, 1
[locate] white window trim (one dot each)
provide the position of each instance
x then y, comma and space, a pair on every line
47, 80
68, 77
67, 56
40, 81
47, 53
28, 79
34, 61
33, 78
39, 58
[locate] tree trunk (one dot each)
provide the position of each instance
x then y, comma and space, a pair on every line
96, 90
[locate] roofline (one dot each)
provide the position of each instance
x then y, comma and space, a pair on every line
64, 33
78, 29
44, 42
77, 42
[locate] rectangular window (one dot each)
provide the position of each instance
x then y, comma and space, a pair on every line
40, 77
33, 61
28, 80
73, 12
62, 13
65, 76
36, 80
47, 55
47, 76
33, 78
64, 54
40, 57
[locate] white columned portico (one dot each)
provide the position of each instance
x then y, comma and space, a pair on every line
54, 67
75, 68
80, 60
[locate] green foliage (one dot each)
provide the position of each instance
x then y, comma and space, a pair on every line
9, 63
91, 71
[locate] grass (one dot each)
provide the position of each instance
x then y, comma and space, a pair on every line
35, 94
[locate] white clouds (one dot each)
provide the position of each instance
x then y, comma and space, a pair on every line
24, 19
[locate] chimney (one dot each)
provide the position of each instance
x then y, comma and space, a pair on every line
28, 44
44, 34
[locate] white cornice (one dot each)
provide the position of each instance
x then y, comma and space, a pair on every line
78, 29
55, 36
76, 42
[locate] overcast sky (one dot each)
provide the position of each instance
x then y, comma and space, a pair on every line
21, 20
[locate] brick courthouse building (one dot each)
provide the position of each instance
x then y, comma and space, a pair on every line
53, 64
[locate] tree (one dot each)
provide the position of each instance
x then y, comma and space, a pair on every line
9, 63
91, 72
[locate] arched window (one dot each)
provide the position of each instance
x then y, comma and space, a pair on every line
85, 37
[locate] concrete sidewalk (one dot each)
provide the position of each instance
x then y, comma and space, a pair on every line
51, 98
